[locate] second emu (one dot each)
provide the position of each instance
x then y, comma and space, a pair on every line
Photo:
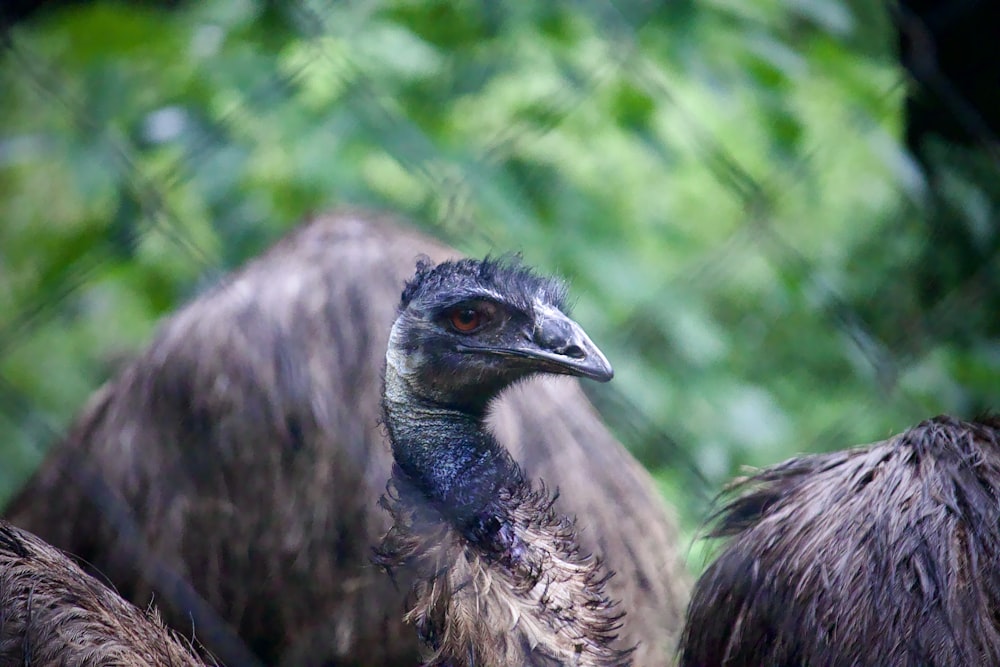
243, 444
882, 555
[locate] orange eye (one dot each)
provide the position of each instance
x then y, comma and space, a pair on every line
465, 320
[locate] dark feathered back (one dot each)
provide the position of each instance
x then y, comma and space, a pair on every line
51, 613
245, 443
883, 555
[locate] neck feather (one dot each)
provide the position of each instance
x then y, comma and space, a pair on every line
526, 595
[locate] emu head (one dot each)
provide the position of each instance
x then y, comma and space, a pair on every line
469, 328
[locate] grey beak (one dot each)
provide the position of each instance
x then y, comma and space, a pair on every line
566, 348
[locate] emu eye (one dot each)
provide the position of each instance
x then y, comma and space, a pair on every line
465, 319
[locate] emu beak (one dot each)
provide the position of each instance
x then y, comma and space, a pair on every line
564, 347
557, 344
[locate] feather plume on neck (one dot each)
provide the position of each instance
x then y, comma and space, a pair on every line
524, 596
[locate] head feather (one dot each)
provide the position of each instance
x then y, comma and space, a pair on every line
505, 274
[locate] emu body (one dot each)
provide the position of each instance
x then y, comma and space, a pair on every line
52, 613
887, 554
500, 578
244, 443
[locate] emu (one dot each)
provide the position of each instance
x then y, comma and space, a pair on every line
52, 613
244, 446
887, 554
500, 577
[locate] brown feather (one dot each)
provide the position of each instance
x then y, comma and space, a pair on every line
52, 613
887, 554
537, 601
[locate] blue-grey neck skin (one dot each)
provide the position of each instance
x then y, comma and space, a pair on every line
447, 453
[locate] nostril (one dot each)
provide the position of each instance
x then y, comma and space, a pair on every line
574, 351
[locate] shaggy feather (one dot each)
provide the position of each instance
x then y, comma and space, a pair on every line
52, 613
887, 554
530, 598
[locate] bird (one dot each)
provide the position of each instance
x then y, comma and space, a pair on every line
53, 613
501, 577
239, 453
885, 554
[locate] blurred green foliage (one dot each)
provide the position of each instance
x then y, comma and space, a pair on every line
722, 181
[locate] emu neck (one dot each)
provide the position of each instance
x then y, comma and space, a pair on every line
448, 454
